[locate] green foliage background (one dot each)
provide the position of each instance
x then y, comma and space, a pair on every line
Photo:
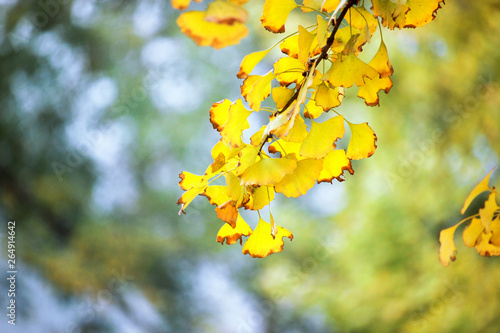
104, 103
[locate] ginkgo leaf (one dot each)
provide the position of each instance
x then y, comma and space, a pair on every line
228, 212
226, 12
369, 92
302, 179
189, 180
298, 132
350, 70
323, 5
282, 96
362, 143
268, 171
249, 62
205, 33
248, 84
312, 110
288, 70
327, 96
189, 196
181, 4
237, 122
219, 163
321, 31
284, 147
260, 90
216, 194
480, 188
359, 18
447, 249
484, 247
257, 137
472, 232
392, 12
232, 235
248, 156
495, 230
261, 243
381, 61
486, 213
305, 41
421, 12
234, 190
219, 113
290, 46
321, 138
334, 164
349, 40
260, 197
276, 13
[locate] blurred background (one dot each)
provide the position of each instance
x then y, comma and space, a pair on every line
103, 103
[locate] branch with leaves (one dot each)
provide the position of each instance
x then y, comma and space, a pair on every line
305, 126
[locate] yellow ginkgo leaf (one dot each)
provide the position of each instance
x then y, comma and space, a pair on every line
189, 196
359, 18
232, 235
234, 190
248, 84
189, 180
268, 171
298, 132
392, 12
261, 242
248, 156
226, 12
228, 212
421, 12
312, 110
276, 13
321, 31
288, 70
484, 247
381, 61
282, 96
260, 197
219, 113
260, 90
472, 232
350, 70
321, 138
258, 136
249, 62
305, 41
362, 143
369, 92
447, 249
334, 164
205, 33
237, 122
495, 230
285, 147
217, 194
480, 188
181, 4
290, 46
486, 213
302, 179
327, 96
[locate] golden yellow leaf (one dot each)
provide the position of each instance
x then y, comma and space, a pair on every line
480, 188
248, 156
204, 33
392, 12
350, 70
261, 243
217, 194
234, 190
276, 13
222, 11
288, 70
349, 40
228, 212
268, 171
237, 122
328, 5
484, 247
232, 235
282, 96
189, 196
189, 180
495, 230
362, 143
305, 41
219, 114
486, 213
369, 92
334, 164
248, 84
249, 62
260, 90
359, 18
302, 179
298, 132
285, 147
327, 96
290, 46
260, 197
258, 136
421, 12
381, 61
312, 110
321, 31
181, 4
472, 232
447, 249
321, 138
